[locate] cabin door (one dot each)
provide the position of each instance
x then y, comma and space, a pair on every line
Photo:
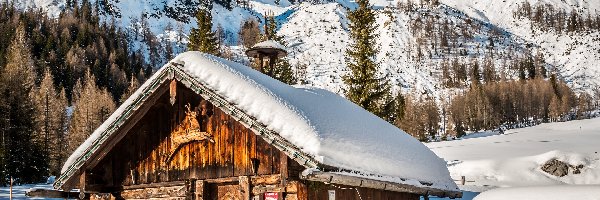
225, 191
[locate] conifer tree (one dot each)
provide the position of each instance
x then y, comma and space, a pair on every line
22, 156
475, 73
133, 86
92, 107
363, 86
489, 71
51, 120
203, 38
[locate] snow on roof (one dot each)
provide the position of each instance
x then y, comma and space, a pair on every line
269, 44
327, 127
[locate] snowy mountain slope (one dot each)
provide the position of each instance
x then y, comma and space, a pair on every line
317, 36
575, 56
52, 7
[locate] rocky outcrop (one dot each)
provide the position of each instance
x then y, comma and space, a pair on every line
559, 168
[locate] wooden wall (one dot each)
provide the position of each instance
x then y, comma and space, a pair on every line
320, 191
138, 166
140, 157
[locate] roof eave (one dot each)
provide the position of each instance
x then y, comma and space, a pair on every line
335, 178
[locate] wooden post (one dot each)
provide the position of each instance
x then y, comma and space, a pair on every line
462, 180
245, 187
199, 190
11, 183
283, 168
262, 64
82, 186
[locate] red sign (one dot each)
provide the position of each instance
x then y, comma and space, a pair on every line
271, 196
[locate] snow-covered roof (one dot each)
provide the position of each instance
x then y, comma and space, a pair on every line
269, 44
320, 125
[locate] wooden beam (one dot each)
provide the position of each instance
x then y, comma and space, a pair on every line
154, 185
47, 193
283, 167
266, 179
222, 180
82, 181
259, 189
292, 187
156, 192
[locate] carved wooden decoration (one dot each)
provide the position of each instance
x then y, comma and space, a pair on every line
172, 91
186, 132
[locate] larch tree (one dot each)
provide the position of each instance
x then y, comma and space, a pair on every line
51, 120
249, 33
92, 107
363, 86
489, 70
22, 156
203, 38
133, 86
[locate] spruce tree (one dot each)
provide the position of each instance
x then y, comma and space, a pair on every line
363, 86
203, 38
475, 73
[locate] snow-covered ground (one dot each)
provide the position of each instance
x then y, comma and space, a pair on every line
580, 192
18, 191
514, 159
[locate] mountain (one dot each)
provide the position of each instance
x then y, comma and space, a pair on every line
410, 40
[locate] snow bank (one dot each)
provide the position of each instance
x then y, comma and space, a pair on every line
558, 192
526, 171
330, 128
514, 159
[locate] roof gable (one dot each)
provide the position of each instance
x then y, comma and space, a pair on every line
315, 127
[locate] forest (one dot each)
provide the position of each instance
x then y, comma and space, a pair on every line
59, 79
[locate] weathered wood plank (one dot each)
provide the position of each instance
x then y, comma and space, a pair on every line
245, 187
199, 190
46, 193
222, 180
259, 189
153, 185
293, 187
283, 167
157, 192
139, 158
266, 179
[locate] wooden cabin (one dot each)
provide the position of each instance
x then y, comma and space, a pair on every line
180, 136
